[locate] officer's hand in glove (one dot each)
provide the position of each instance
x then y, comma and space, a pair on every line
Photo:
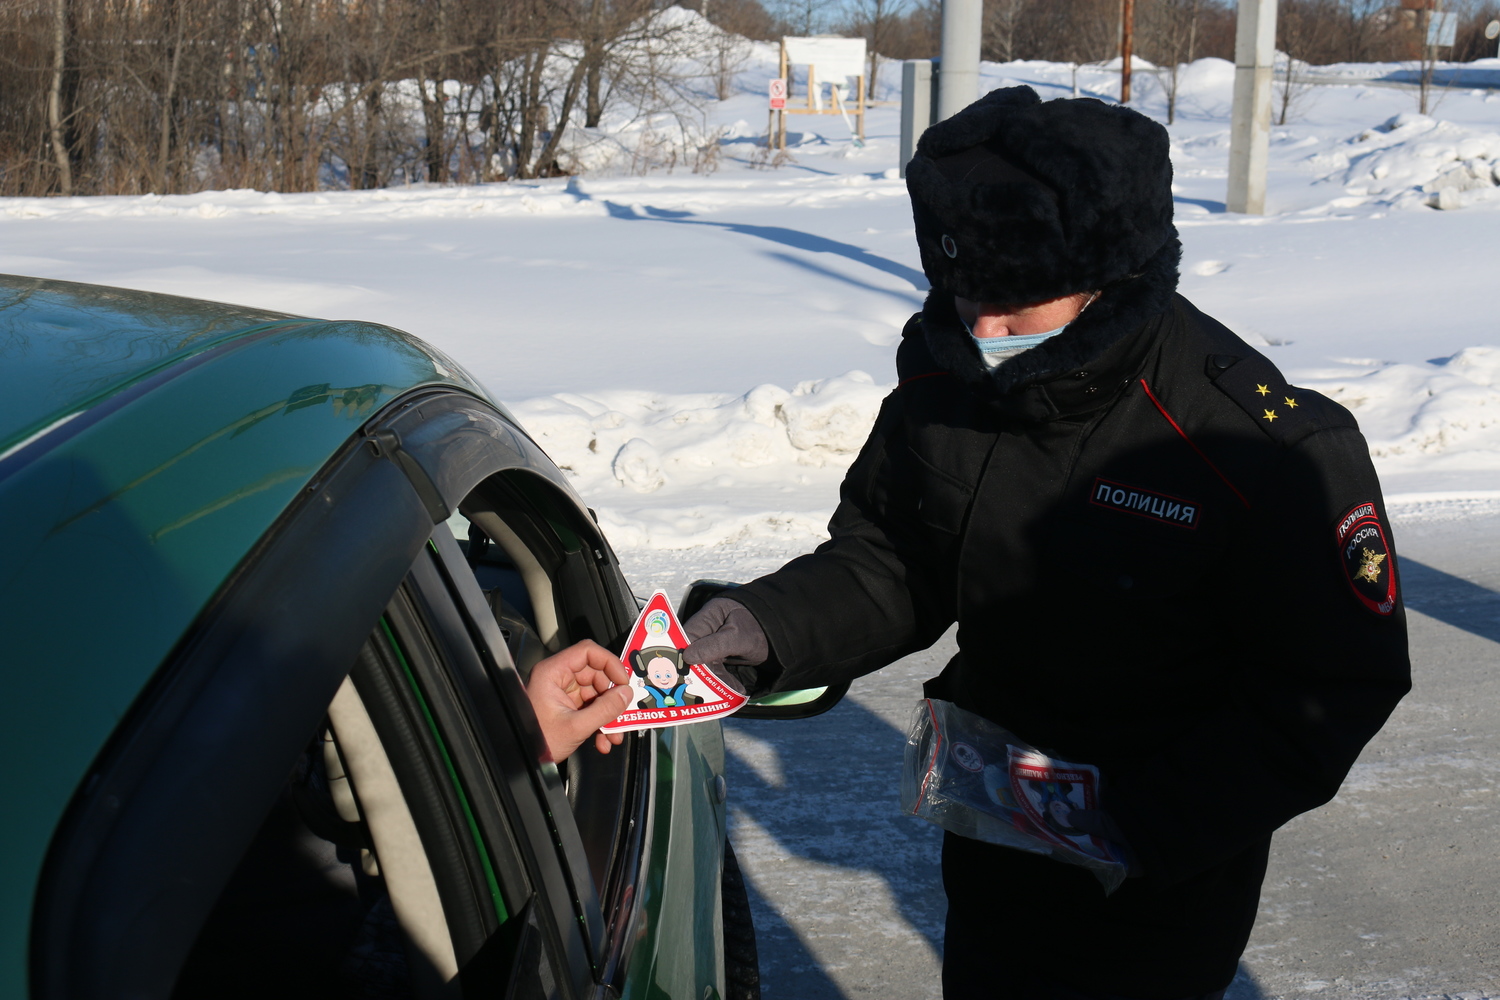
725, 637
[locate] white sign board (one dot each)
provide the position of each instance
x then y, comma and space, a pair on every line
831, 58
1442, 28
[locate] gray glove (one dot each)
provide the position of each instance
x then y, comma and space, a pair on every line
725, 637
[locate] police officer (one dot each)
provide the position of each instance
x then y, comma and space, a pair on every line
1163, 559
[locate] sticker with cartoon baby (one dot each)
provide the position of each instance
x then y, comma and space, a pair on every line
1048, 791
666, 677
668, 690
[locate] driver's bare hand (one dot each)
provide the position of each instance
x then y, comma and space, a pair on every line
576, 691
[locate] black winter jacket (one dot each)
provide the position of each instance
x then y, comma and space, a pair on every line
1164, 561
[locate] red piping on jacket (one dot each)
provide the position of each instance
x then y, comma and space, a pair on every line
918, 378
1183, 434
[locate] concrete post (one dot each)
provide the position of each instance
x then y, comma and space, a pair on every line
958, 73
1250, 124
918, 105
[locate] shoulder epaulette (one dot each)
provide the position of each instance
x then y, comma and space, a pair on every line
1287, 413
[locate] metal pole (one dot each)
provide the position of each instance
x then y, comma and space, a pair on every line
916, 106
958, 73
1250, 125
1127, 46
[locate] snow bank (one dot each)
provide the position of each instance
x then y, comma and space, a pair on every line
678, 471
681, 471
640, 441
1440, 416
1413, 160
1207, 77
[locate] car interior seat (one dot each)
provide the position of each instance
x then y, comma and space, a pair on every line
335, 897
516, 585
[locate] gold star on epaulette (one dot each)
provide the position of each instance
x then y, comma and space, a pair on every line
1262, 390
1270, 415
1290, 402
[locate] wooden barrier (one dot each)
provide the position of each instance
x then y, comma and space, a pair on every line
842, 52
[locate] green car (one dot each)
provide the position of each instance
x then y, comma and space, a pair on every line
269, 590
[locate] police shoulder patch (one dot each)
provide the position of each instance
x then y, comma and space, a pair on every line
1365, 555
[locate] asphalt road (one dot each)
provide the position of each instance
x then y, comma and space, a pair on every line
1390, 891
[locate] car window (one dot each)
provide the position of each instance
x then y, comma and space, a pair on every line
541, 573
388, 865
523, 539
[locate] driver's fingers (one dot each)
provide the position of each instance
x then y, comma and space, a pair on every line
603, 709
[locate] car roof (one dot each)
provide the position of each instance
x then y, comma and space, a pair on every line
65, 345
147, 443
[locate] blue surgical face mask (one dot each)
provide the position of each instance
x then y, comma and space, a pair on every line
996, 349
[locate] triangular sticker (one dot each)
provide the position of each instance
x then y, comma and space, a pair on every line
666, 690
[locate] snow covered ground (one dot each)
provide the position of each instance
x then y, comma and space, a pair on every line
704, 353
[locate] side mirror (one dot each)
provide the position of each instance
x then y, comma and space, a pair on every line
802, 704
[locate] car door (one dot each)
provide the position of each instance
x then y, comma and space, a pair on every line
643, 827
358, 649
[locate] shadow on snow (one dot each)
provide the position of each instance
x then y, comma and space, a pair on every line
796, 239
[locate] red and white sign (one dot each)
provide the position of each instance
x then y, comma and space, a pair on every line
778, 94
666, 689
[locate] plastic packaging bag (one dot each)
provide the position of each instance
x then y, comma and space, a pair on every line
976, 779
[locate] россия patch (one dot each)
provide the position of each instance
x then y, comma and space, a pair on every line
1366, 557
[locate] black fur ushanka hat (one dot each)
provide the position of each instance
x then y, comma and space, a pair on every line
1018, 201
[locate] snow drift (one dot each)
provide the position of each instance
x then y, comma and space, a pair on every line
687, 470
1413, 160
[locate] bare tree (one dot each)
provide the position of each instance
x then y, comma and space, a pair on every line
131, 96
1471, 43
1003, 23
1426, 22
916, 35
877, 22
747, 18
803, 17
1304, 32
729, 54
1169, 35
56, 114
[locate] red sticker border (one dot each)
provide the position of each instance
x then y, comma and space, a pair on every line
633, 719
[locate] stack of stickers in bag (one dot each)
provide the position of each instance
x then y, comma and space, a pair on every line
1040, 792
667, 690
